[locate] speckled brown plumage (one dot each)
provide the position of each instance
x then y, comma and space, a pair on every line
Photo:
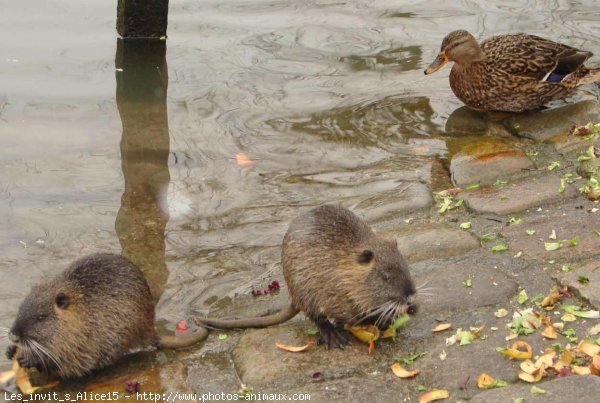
512, 72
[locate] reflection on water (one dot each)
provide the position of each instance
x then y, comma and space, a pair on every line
142, 82
327, 98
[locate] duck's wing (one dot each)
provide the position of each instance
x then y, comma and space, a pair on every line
533, 57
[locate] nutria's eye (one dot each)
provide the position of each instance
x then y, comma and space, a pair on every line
365, 257
41, 317
62, 301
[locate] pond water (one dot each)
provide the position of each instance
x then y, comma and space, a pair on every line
272, 107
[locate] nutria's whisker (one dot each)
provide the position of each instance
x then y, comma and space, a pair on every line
423, 285
32, 344
4, 330
47, 353
364, 315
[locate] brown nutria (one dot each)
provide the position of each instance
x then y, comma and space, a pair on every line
337, 269
97, 310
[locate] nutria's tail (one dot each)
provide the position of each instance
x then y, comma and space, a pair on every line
182, 341
262, 321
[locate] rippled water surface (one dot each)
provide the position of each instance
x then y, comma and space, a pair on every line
327, 99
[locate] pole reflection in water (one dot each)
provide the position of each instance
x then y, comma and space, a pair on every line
142, 80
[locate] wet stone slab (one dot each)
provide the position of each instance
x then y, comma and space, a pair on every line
262, 365
484, 159
405, 198
446, 283
431, 241
544, 124
590, 290
518, 196
559, 390
466, 362
567, 222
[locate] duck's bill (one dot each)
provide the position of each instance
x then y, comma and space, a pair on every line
437, 64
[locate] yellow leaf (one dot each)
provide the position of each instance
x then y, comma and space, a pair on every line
581, 370
432, 395
550, 333
519, 350
293, 349
365, 333
441, 327
588, 348
400, 372
484, 381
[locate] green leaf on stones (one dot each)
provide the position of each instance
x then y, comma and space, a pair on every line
473, 187
583, 279
421, 388
500, 182
597, 232
530, 232
576, 310
498, 383
531, 153
488, 237
589, 154
468, 282
519, 400
410, 359
570, 335
522, 298
312, 331
573, 241
537, 300
566, 268
553, 166
399, 322
536, 390
514, 221
222, 336
499, 248
465, 225
551, 245
465, 337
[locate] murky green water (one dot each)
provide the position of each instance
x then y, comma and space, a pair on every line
326, 98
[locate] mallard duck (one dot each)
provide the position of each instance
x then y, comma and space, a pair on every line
511, 73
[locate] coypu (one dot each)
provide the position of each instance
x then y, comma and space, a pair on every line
97, 310
337, 269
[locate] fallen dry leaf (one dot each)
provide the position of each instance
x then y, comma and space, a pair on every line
432, 395
294, 349
484, 381
519, 350
595, 365
441, 327
595, 330
589, 348
550, 333
552, 299
579, 370
500, 313
568, 317
400, 372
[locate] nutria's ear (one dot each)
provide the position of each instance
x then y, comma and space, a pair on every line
62, 300
365, 257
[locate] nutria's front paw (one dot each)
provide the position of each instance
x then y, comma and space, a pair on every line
11, 351
26, 361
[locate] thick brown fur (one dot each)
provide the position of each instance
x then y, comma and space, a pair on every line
99, 309
338, 270
510, 72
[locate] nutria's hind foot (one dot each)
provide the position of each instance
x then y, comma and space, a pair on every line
331, 336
